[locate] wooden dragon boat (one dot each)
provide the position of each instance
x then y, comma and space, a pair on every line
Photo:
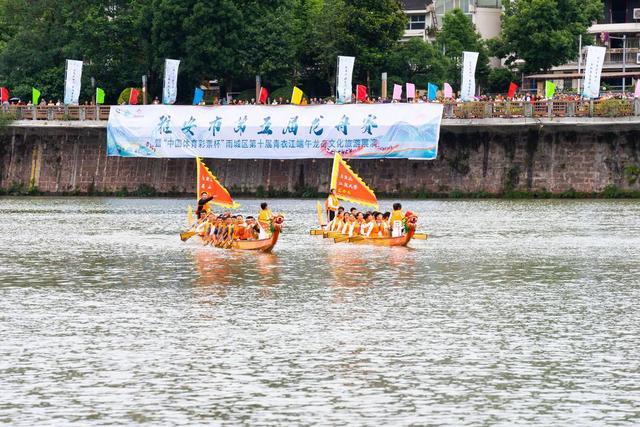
377, 241
262, 245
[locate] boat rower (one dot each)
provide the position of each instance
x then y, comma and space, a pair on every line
252, 230
367, 227
332, 204
239, 228
349, 227
338, 220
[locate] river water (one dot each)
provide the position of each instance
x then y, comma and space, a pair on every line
513, 312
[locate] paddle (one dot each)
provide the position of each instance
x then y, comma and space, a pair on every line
420, 236
187, 235
356, 238
341, 239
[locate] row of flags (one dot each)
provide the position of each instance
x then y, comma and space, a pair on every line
344, 76
73, 84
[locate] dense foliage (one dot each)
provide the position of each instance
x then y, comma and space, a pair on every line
285, 41
544, 33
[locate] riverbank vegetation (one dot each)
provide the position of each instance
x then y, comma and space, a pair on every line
609, 192
287, 42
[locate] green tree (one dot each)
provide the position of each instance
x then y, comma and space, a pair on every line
417, 61
544, 33
499, 80
372, 28
458, 35
105, 34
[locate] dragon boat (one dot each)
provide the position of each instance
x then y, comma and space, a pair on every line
262, 245
377, 241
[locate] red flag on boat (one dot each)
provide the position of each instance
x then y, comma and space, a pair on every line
349, 186
264, 94
209, 183
361, 93
133, 96
4, 94
512, 90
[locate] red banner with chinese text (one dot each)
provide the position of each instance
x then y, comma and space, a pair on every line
209, 183
349, 186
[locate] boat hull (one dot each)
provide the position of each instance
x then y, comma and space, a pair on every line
376, 241
263, 245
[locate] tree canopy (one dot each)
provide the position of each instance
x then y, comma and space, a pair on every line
544, 33
285, 41
458, 34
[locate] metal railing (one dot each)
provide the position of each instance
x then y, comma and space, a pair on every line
625, 107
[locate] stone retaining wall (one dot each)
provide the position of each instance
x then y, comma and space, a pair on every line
490, 156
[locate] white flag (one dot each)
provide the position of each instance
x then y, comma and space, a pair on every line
468, 88
345, 76
72, 82
170, 88
593, 71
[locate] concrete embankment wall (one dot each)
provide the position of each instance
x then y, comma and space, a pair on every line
490, 156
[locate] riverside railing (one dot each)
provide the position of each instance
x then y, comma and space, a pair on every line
614, 107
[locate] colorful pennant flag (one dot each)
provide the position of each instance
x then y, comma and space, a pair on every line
99, 96
432, 91
411, 91
198, 96
349, 186
209, 183
361, 93
397, 92
448, 91
549, 89
296, 96
4, 94
35, 96
264, 95
133, 96
512, 90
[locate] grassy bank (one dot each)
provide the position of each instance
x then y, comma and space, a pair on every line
610, 192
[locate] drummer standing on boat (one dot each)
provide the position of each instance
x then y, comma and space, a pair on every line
203, 204
332, 204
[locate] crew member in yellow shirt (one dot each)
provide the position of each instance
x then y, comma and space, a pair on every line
332, 204
396, 220
264, 217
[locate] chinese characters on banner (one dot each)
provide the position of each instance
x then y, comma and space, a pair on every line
345, 75
349, 186
72, 81
593, 71
468, 88
408, 131
170, 88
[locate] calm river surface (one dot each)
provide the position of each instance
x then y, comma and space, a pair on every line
513, 312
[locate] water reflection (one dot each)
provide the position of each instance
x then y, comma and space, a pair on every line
219, 269
518, 313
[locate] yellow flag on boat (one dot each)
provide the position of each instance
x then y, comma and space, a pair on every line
296, 96
190, 219
349, 186
320, 216
209, 183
